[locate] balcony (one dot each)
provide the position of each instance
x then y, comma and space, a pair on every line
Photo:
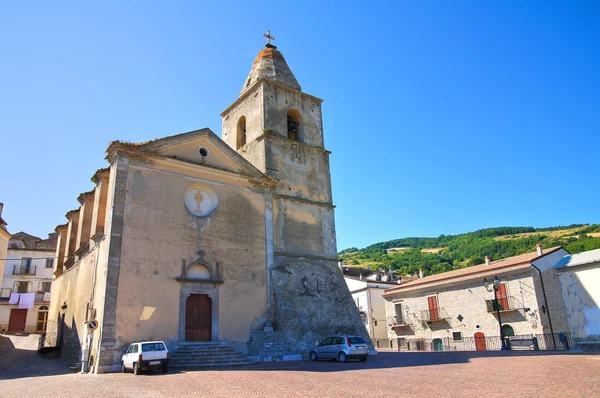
506, 304
434, 315
396, 322
22, 270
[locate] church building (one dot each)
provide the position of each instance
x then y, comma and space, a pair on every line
196, 238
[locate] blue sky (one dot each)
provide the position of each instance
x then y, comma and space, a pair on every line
443, 117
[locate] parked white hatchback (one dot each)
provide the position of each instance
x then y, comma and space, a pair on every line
145, 355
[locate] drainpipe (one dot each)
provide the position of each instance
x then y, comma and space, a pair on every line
546, 303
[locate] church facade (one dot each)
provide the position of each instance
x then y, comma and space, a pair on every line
193, 238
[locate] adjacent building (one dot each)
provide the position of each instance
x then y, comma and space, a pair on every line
26, 283
195, 238
367, 288
579, 276
445, 311
4, 238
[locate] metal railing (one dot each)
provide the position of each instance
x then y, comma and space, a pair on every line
544, 341
397, 322
21, 270
509, 303
432, 315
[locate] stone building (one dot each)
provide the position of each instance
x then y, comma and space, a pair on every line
196, 238
579, 276
26, 283
441, 311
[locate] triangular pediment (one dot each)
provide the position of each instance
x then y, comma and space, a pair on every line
202, 147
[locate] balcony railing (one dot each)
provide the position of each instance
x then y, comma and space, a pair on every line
21, 270
398, 322
434, 315
508, 303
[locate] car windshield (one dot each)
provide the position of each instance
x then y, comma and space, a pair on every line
357, 340
146, 347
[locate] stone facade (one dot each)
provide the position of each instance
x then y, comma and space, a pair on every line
465, 305
250, 228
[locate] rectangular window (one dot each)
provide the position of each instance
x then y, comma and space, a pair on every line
456, 336
399, 317
25, 265
23, 287
433, 307
46, 287
147, 347
49, 263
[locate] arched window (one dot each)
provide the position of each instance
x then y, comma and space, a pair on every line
294, 124
42, 318
508, 331
241, 132
199, 272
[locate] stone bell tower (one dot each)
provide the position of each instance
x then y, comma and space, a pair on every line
278, 128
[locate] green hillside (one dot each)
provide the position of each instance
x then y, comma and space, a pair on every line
448, 252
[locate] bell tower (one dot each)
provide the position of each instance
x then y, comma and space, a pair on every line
278, 128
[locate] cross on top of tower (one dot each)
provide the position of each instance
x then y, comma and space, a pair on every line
268, 36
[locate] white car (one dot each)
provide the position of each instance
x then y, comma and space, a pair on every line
145, 355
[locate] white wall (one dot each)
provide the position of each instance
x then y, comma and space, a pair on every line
581, 291
42, 274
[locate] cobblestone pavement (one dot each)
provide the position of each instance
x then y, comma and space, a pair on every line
391, 374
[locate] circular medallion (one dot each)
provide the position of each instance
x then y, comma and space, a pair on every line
200, 200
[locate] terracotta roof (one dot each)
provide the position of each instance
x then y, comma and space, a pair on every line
34, 243
477, 271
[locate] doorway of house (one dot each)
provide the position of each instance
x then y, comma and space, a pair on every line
480, 341
16, 322
437, 345
198, 318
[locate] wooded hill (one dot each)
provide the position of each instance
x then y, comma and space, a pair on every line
448, 252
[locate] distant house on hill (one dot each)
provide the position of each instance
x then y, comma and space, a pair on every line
446, 311
579, 276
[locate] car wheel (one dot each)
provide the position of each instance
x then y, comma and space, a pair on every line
342, 357
364, 359
123, 370
164, 368
314, 356
136, 368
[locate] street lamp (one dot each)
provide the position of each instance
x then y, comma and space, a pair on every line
495, 287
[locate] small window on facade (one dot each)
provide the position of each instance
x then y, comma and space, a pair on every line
46, 287
294, 119
398, 310
456, 336
21, 287
374, 322
241, 132
49, 262
203, 151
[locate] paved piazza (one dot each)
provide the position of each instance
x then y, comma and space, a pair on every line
392, 374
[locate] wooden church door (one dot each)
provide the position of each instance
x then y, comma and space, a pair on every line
198, 318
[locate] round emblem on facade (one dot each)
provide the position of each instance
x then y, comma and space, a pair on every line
200, 200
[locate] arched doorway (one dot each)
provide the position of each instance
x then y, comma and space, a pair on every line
199, 305
42, 319
480, 341
437, 345
508, 331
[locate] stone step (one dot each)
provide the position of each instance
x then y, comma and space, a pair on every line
220, 349
201, 357
210, 365
209, 361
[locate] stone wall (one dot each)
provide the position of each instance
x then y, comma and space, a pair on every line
311, 301
467, 299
